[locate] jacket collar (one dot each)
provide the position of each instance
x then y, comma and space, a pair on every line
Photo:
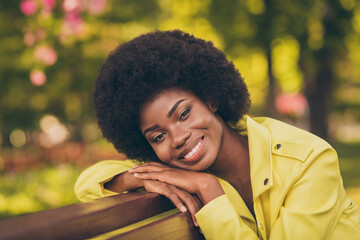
260, 154
260, 164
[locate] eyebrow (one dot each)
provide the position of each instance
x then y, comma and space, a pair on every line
172, 110
151, 128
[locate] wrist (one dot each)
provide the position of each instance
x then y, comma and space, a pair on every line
209, 188
124, 182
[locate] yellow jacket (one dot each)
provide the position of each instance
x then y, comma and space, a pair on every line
297, 188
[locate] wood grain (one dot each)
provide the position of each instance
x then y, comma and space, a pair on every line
175, 227
85, 220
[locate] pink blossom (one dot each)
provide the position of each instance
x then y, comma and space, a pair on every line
46, 55
291, 104
72, 6
29, 39
37, 77
73, 24
49, 4
47, 7
46, 13
40, 34
28, 7
95, 7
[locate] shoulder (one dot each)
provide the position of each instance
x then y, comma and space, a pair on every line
292, 142
299, 157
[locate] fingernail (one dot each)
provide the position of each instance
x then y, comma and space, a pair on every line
136, 174
183, 209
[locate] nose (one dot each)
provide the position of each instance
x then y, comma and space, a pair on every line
179, 136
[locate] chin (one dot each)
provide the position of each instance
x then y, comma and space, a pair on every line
201, 166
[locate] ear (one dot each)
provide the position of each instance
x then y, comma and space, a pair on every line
213, 106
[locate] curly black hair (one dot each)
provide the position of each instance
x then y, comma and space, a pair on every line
140, 68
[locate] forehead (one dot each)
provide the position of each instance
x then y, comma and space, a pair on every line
160, 104
167, 97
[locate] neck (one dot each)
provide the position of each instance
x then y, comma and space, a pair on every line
232, 163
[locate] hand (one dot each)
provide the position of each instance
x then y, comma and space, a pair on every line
203, 185
177, 196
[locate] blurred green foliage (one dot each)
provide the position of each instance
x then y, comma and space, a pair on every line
280, 47
37, 189
349, 163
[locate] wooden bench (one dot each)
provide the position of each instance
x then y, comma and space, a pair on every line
87, 220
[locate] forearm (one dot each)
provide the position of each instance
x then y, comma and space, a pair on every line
124, 182
90, 183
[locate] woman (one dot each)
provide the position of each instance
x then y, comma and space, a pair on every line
177, 105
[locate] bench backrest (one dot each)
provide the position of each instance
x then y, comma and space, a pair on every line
85, 220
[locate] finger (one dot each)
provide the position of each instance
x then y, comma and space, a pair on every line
191, 205
163, 176
158, 164
146, 175
172, 177
152, 164
163, 189
148, 168
148, 163
175, 200
163, 165
192, 209
192, 202
198, 206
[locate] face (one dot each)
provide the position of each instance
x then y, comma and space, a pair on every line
183, 131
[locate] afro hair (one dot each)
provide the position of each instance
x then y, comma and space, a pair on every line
140, 68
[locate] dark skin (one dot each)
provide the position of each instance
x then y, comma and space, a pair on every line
188, 137
238, 175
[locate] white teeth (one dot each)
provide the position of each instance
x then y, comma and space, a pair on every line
193, 151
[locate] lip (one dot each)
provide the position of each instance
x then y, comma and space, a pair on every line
189, 148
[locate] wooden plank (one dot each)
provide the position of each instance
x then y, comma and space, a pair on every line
177, 226
85, 220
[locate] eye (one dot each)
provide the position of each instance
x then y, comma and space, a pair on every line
184, 114
158, 138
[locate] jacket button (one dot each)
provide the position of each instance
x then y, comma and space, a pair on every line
278, 146
266, 181
261, 226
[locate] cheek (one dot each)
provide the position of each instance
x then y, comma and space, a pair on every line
162, 152
209, 121
215, 129
202, 119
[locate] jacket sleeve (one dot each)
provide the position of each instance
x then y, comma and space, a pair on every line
219, 220
311, 208
90, 183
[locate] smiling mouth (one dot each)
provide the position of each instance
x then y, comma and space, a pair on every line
194, 153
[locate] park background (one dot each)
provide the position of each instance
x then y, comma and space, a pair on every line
300, 59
